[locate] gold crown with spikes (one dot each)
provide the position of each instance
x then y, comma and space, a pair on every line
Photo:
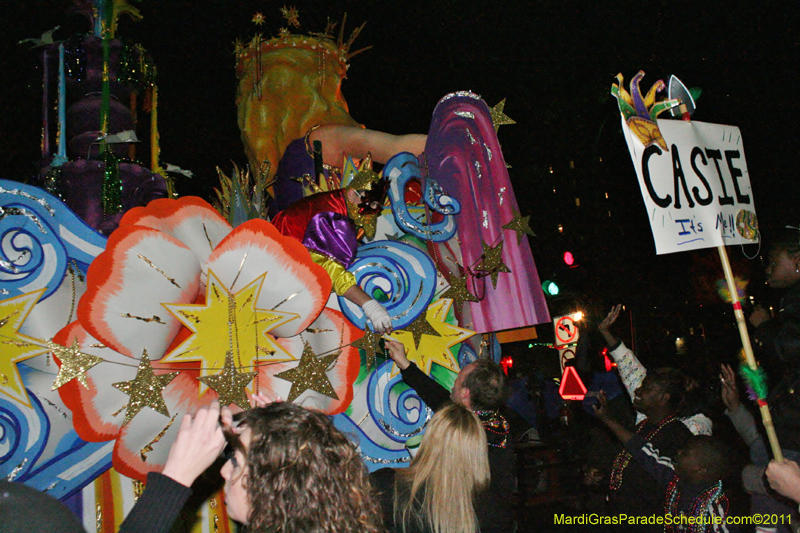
322, 42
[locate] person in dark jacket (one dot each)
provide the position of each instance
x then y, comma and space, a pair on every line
632, 490
480, 386
690, 482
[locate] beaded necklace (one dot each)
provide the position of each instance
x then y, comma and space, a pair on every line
712, 496
494, 423
624, 457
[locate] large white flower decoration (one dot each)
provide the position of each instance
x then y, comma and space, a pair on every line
203, 301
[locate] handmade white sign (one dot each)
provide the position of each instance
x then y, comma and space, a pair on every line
697, 192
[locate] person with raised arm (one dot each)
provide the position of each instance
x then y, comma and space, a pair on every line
632, 373
689, 482
480, 387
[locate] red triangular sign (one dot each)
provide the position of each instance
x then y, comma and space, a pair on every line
572, 388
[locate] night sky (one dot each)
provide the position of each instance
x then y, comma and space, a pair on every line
554, 62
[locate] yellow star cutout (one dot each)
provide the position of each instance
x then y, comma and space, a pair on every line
16, 347
458, 291
434, 349
521, 225
492, 262
258, 19
230, 384
228, 323
498, 117
310, 374
370, 344
74, 363
145, 389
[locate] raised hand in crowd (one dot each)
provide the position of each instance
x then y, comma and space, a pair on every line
199, 442
397, 352
784, 477
607, 322
729, 391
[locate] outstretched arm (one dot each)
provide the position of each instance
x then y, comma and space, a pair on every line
434, 395
630, 369
606, 323
198, 444
601, 412
375, 312
357, 142
659, 467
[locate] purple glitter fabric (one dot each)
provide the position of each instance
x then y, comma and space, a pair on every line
464, 156
332, 235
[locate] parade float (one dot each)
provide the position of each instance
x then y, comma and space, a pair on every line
125, 306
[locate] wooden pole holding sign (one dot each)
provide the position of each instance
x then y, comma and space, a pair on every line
766, 417
763, 406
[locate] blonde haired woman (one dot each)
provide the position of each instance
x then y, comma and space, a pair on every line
436, 493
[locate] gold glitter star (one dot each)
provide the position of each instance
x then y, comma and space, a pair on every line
228, 323
230, 384
458, 291
145, 389
310, 374
421, 327
521, 225
16, 347
369, 343
291, 15
74, 363
434, 348
498, 117
258, 19
492, 262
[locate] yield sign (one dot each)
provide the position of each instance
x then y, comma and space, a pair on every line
572, 388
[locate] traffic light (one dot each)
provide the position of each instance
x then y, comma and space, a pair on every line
550, 288
569, 259
506, 362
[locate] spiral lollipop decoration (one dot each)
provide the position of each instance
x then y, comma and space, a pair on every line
39, 236
400, 416
375, 456
17, 424
405, 274
401, 169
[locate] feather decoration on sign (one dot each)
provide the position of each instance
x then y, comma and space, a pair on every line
755, 380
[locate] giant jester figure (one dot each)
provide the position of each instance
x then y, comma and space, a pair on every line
461, 153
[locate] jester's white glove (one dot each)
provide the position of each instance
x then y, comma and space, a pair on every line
377, 314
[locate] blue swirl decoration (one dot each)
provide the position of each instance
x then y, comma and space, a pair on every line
402, 418
375, 456
18, 451
399, 275
398, 413
39, 237
401, 169
45, 454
